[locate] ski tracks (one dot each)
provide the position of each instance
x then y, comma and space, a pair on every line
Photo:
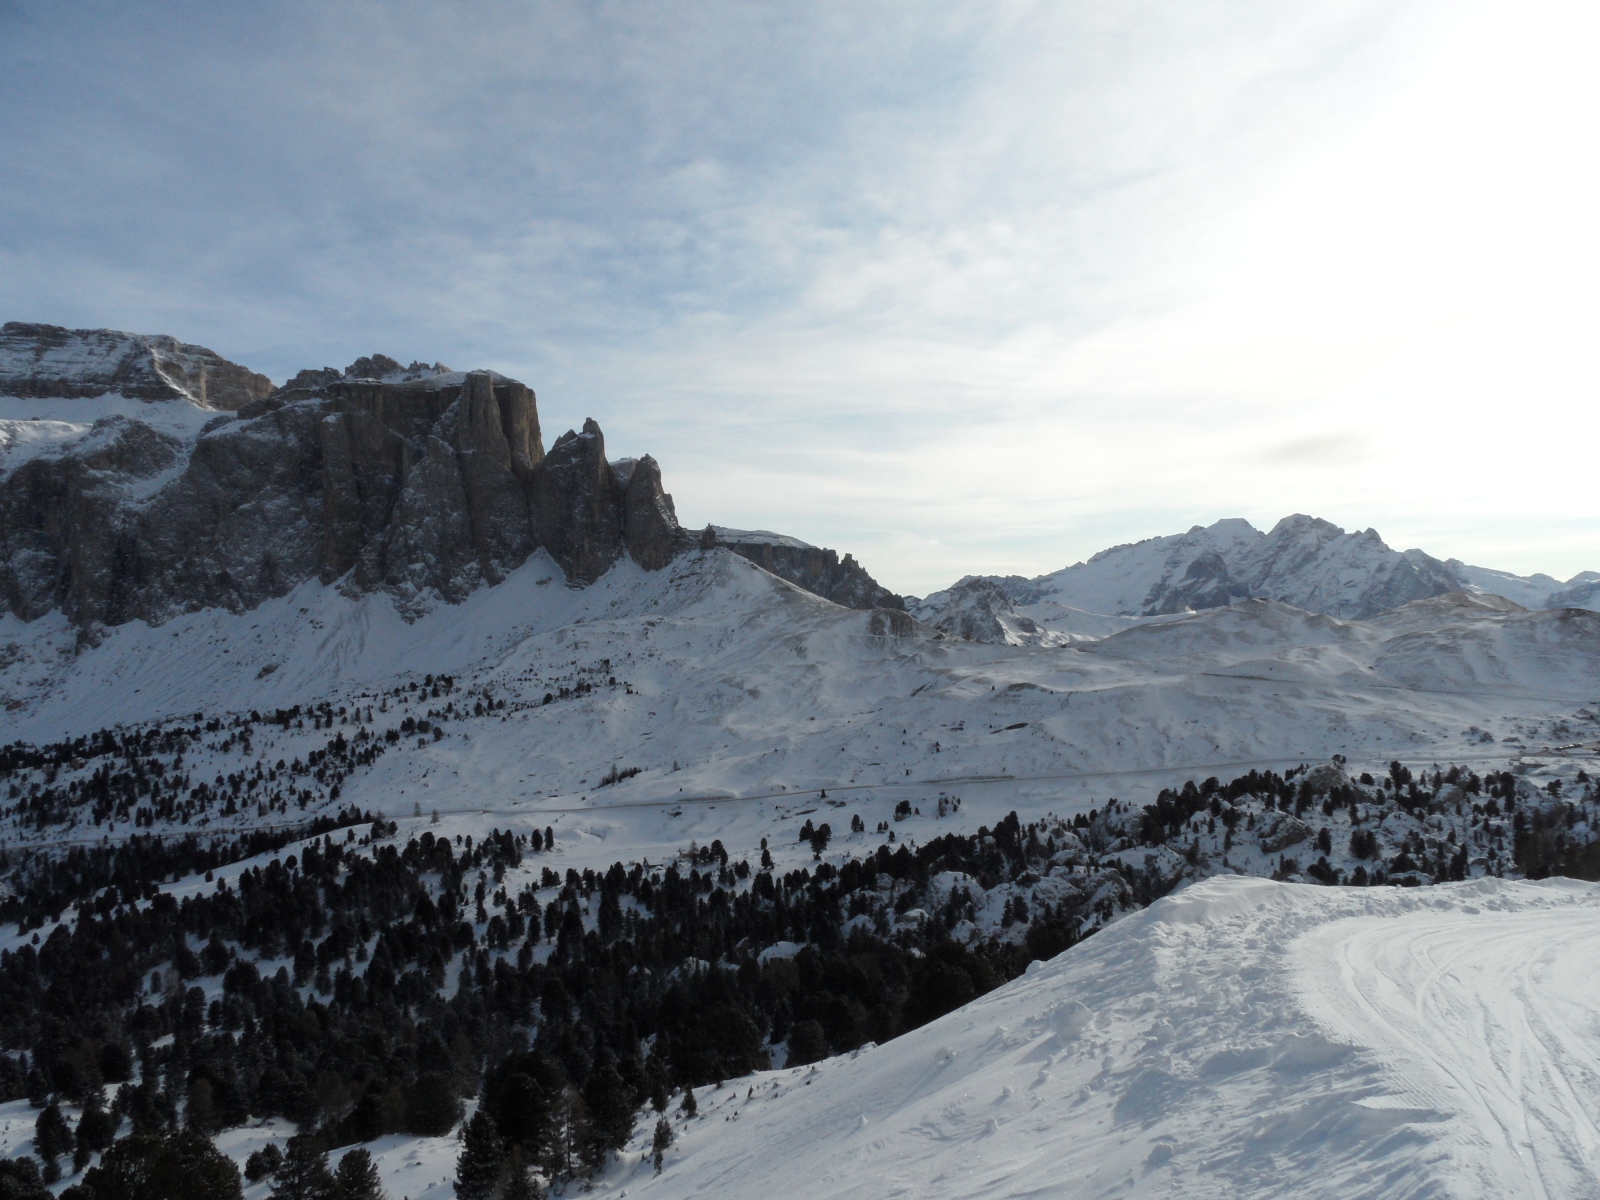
1488, 1018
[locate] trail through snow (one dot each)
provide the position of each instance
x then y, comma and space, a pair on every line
1486, 1015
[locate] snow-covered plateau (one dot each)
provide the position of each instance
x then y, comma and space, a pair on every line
1232, 863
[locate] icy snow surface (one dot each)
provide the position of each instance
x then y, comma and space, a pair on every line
1241, 1038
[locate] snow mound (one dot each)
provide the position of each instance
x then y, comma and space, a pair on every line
1241, 1038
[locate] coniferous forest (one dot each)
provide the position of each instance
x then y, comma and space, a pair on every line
357, 984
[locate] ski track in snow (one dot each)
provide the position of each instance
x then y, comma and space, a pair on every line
1487, 1016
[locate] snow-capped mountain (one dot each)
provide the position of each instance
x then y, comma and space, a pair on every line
1303, 561
420, 482
141, 478
48, 362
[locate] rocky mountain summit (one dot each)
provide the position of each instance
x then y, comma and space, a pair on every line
421, 482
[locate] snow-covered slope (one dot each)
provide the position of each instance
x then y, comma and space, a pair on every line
717, 680
1238, 1039
1191, 1050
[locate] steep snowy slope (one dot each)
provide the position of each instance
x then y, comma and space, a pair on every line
1239, 1039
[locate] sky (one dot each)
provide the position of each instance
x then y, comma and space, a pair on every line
957, 288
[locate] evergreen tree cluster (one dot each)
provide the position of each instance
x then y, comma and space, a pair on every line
146, 776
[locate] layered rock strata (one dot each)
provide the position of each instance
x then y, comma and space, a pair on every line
49, 361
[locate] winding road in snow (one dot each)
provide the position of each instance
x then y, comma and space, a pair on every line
1490, 1021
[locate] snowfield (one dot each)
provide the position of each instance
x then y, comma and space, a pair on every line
1241, 1038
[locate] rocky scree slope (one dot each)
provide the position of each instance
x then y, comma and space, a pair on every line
421, 482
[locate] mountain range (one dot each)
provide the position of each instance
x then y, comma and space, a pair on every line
142, 477
364, 763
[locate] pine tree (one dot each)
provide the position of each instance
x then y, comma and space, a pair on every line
656, 1074
520, 1184
357, 1177
663, 1139
690, 1108
263, 1162
173, 1164
478, 1168
303, 1174
96, 1127
610, 1105
572, 1133
52, 1136
432, 1109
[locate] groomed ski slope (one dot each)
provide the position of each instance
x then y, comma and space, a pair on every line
1241, 1038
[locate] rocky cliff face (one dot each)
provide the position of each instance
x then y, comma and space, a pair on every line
817, 570
419, 482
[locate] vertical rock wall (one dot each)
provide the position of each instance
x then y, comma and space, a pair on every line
422, 483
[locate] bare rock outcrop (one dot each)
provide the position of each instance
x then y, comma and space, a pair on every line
818, 570
578, 504
649, 522
416, 481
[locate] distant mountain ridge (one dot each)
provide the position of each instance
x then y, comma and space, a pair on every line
142, 477
1304, 561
